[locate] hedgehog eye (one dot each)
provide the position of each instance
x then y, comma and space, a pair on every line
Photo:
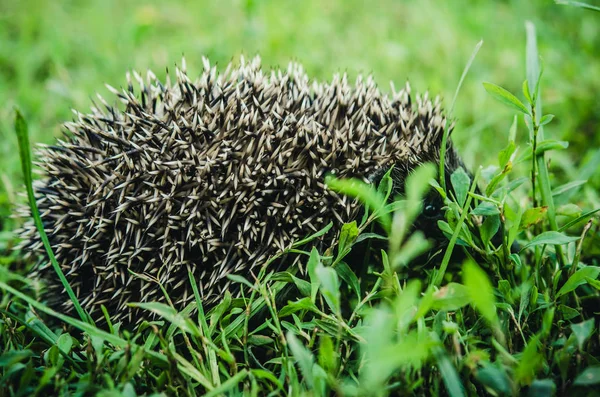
430, 210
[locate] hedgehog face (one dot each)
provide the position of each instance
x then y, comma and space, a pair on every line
212, 177
433, 211
433, 206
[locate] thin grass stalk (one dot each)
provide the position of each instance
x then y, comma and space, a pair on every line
533, 76
448, 254
25, 154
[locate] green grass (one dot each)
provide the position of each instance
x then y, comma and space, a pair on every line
500, 323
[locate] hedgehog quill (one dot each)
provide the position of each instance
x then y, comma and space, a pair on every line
213, 177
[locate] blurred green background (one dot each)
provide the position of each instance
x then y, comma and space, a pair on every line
55, 55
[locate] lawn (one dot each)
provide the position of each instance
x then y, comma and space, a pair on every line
490, 323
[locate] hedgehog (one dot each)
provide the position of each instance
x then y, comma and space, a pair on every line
213, 177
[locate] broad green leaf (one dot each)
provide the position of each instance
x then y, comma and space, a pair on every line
417, 184
320, 380
463, 239
505, 289
526, 92
486, 209
480, 291
299, 305
550, 144
12, 357
367, 236
304, 357
593, 283
434, 184
541, 388
512, 132
424, 305
405, 305
489, 228
328, 358
551, 237
451, 297
524, 301
218, 311
494, 378
416, 245
583, 331
567, 312
533, 216
302, 285
590, 376
65, 343
348, 235
570, 210
449, 327
505, 97
567, 187
313, 261
541, 148
346, 274
516, 259
579, 278
461, 183
386, 184
259, 340
134, 365
546, 119
330, 287
530, 362
547, 321
512, 185
506, 154
492, 186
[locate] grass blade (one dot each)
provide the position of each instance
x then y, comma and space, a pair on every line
578, 4
439, 277
464, 73
25, 154
505, 97
449, 375
534, 71
81, 325
442, 174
